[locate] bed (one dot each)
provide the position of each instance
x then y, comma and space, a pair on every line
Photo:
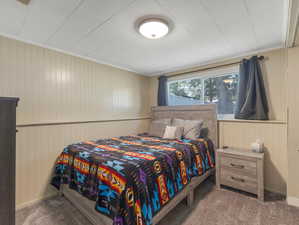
129, 180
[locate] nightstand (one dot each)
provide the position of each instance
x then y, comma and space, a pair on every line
240, 169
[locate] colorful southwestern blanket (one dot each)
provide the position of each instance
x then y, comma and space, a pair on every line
131, 178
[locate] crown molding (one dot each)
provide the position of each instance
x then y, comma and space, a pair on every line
70, 53
218, 60
162, 72
292, 20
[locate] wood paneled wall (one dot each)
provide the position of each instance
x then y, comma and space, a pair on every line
274, 73
274, 133
55, 87
274, 136
293, 126
39, 147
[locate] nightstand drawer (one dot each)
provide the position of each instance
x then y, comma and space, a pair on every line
245, 167
239, 181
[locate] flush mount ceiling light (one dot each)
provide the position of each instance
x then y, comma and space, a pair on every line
153, 28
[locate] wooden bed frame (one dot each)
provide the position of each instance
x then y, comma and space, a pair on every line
204, 112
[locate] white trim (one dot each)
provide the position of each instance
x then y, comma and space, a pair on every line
225, 120
292, 22
293, 201
286, 22
69, 53
207, 74
166, 71
203, 76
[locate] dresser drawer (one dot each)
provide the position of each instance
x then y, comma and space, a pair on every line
242, 166
239, 181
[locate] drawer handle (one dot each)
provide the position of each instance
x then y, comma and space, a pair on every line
238, 179
237, 166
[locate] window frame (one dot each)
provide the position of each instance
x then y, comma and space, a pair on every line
203, 76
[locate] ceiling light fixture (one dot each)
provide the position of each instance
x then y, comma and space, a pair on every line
153, 28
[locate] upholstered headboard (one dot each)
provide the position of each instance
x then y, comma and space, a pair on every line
206, 112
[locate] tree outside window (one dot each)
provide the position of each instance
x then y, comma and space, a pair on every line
221, 90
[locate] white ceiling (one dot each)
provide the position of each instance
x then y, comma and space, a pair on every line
103, 30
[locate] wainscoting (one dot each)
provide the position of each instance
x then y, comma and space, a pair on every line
273, 134
39, 146
55, 89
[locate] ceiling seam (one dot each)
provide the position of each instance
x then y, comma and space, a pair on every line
44, 46
64, 21
215, 61
286, 21
186, 28
97, 27
215, 22
163, 7
28, 7
252, 24
166, 6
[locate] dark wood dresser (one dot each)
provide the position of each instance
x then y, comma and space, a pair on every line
7, 159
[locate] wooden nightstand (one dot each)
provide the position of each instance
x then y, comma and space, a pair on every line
240, 169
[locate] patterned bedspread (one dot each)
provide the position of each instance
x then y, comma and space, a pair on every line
131, 178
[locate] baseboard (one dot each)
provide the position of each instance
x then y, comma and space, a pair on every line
275, 191
293, 201
35, 201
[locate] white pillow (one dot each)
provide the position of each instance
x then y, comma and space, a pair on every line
157, 127
172, 132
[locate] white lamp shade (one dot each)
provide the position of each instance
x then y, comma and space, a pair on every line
153, 29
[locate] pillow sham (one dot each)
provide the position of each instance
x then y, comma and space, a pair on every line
204, 132
157, 127
172, 132
191, 127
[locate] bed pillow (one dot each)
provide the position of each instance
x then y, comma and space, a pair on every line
204, 132
157, 127
191, 127
172, 132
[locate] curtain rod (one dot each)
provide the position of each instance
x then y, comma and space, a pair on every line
209, 68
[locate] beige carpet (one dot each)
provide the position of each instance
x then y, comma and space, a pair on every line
212, 207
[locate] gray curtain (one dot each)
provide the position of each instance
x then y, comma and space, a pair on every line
252, 101
162, 91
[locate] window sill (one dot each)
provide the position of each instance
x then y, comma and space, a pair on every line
252, 121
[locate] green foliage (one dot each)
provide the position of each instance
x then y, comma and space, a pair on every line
187, 88
221, 90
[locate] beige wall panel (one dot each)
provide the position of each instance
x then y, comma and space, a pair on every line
274, 71
57, 87
293, 122
153, 91
242, 134
39, 147
274, 136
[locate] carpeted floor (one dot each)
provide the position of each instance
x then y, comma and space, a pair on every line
212, 207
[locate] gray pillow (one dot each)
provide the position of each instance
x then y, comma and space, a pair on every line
204, 132
191, 127
157, 127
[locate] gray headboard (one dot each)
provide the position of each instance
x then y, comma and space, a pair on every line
205, 112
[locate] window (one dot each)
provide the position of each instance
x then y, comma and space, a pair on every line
217, 86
